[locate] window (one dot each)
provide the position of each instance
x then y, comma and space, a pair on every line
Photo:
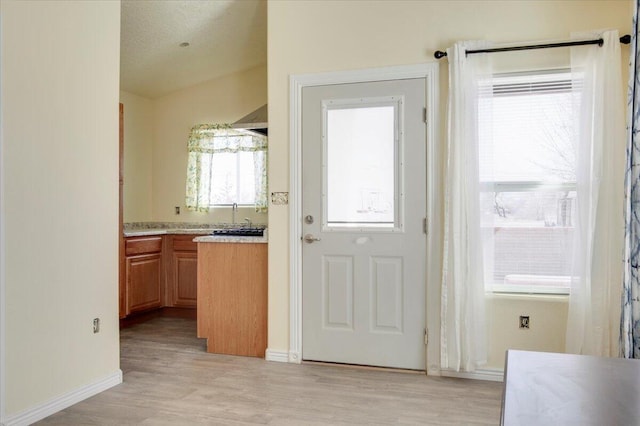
232, 178
528, 182
361, 152
226, 166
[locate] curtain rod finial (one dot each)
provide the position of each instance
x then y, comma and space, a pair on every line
625, 39
439, 54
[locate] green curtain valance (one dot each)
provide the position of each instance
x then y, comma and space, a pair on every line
206, 140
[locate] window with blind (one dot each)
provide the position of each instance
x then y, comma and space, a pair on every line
528, 182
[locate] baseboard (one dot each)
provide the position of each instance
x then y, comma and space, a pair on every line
167, 311
41, 411
488, 375
276, 356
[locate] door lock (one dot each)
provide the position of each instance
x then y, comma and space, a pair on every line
308, 219
308, 238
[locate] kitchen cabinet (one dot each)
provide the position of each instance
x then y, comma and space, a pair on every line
159, 271
232, 297
182, 268
143, 273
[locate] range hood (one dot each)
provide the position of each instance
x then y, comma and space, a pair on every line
257, 121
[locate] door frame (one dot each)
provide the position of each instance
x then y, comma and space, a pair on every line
297, 82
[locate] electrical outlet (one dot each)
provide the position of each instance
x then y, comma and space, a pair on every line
96, 325
177, 209
524, 321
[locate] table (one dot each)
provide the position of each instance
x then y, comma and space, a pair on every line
564, 389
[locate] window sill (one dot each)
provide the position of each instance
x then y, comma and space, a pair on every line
559, 298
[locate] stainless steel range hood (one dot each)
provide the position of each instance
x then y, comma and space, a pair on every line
257, 121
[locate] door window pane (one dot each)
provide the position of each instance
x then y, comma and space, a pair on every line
360, 159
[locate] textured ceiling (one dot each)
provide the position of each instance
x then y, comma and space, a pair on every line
225, 36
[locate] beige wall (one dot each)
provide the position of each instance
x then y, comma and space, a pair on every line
222, 100
138, 156
60, 67
321, 36
547, 328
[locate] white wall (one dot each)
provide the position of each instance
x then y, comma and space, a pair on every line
547, 328
222, 100
138, 156
60, 68
320, 36
155, 144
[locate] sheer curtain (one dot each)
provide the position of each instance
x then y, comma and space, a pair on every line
630, 320
463, 331
594, 303
207, 140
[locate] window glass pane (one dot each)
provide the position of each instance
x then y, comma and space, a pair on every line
533, 209
246, 178
532, 236
223, 178
233, 178
361, 176
527, 137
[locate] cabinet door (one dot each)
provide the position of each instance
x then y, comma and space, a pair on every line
143, 282
185, 269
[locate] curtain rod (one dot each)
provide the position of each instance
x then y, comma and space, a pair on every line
625, 39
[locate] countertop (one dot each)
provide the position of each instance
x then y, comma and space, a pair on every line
231, 239
142, 229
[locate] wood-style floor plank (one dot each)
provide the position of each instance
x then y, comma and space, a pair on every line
169, 379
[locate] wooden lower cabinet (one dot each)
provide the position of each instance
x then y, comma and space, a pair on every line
144, 275
182, 272
232, 297
160, 271
144, 290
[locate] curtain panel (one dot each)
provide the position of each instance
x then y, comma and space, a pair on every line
463, 331
630, 316
594, 301
207, 140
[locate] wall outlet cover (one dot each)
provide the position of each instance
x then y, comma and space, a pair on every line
524, 321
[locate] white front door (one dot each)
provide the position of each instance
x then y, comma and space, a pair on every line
363, 207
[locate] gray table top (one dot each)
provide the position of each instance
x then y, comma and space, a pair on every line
564, 389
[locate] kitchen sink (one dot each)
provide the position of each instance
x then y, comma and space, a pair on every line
239, 232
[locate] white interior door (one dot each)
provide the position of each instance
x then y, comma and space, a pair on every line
363, 205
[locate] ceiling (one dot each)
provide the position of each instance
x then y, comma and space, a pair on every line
224, 36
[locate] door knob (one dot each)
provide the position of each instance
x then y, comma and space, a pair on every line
308, 238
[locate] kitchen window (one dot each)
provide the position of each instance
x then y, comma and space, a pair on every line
528, 182
226, 166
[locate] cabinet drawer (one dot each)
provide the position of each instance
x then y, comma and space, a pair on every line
143, 245
184, 243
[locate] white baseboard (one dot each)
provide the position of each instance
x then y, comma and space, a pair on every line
489, 375
276, 356
50, 407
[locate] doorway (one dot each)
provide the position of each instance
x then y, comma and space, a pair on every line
359, 266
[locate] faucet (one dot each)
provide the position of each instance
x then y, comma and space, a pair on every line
246, 219
234, 209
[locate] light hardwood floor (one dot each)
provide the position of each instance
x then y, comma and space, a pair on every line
169, 379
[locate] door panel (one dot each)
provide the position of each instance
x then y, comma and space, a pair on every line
337, 281
386, 294
364, 201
